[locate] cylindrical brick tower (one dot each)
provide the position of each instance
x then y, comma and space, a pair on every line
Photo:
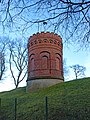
45, 66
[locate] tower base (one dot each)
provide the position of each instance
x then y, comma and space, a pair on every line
34, 85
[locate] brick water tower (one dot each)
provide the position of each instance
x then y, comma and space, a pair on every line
45, 63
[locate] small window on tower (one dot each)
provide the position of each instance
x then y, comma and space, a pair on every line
45, 40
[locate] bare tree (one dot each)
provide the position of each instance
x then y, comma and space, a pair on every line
18, 61
78, 70
69, 17
2, 65
3, 45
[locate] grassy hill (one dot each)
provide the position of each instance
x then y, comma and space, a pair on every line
65, 101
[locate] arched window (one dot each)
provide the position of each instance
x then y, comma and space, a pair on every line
57, 63
44, 62
45, 55
32, 62
58, 60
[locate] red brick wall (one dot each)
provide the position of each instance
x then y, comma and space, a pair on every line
45, 56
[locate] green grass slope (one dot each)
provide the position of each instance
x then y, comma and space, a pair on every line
66, 101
